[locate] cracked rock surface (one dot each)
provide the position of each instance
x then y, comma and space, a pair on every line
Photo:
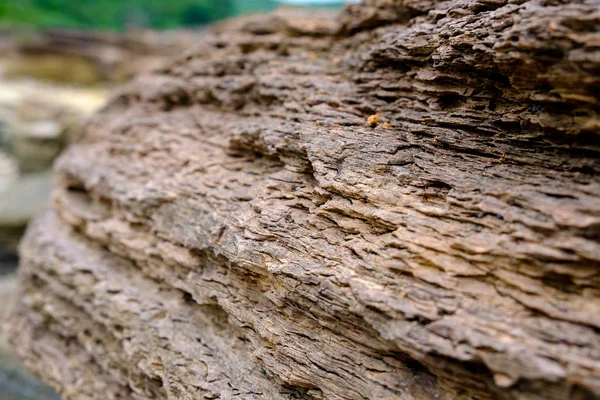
231, 227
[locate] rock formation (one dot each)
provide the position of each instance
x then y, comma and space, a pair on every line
239, 224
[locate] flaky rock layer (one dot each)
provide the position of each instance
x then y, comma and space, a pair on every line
231, 226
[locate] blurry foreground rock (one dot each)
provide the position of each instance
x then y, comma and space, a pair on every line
15, 384
37, 120
231, 227
50, 83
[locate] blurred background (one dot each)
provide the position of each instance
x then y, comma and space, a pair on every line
59, 60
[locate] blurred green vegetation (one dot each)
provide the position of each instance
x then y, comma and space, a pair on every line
122, 14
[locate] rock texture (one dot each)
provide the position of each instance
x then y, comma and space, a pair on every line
239, 225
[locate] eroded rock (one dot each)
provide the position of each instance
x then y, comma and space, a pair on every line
231, 227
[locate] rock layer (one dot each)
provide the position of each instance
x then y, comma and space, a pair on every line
231, 227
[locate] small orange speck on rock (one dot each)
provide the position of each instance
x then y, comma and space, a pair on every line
387, 125
373, 121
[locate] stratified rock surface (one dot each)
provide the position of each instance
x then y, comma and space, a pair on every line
231, 227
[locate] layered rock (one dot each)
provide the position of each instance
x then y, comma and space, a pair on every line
240, 225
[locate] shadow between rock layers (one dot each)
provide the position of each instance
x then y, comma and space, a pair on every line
230, 227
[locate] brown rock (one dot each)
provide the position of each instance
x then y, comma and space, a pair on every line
210, 239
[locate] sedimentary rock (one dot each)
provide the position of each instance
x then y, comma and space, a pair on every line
239, 225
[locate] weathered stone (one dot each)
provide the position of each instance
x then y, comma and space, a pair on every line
232, 226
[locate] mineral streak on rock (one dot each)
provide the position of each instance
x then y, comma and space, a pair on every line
230, 227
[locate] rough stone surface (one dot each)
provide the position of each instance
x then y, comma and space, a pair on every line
231, 227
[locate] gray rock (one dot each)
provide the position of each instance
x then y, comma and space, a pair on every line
20, 200
37, 143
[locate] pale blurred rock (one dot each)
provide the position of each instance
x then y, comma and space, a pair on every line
37, 120
20, 200
9, 169
37, 143
87, 58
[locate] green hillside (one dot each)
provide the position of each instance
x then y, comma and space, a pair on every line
119, 14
